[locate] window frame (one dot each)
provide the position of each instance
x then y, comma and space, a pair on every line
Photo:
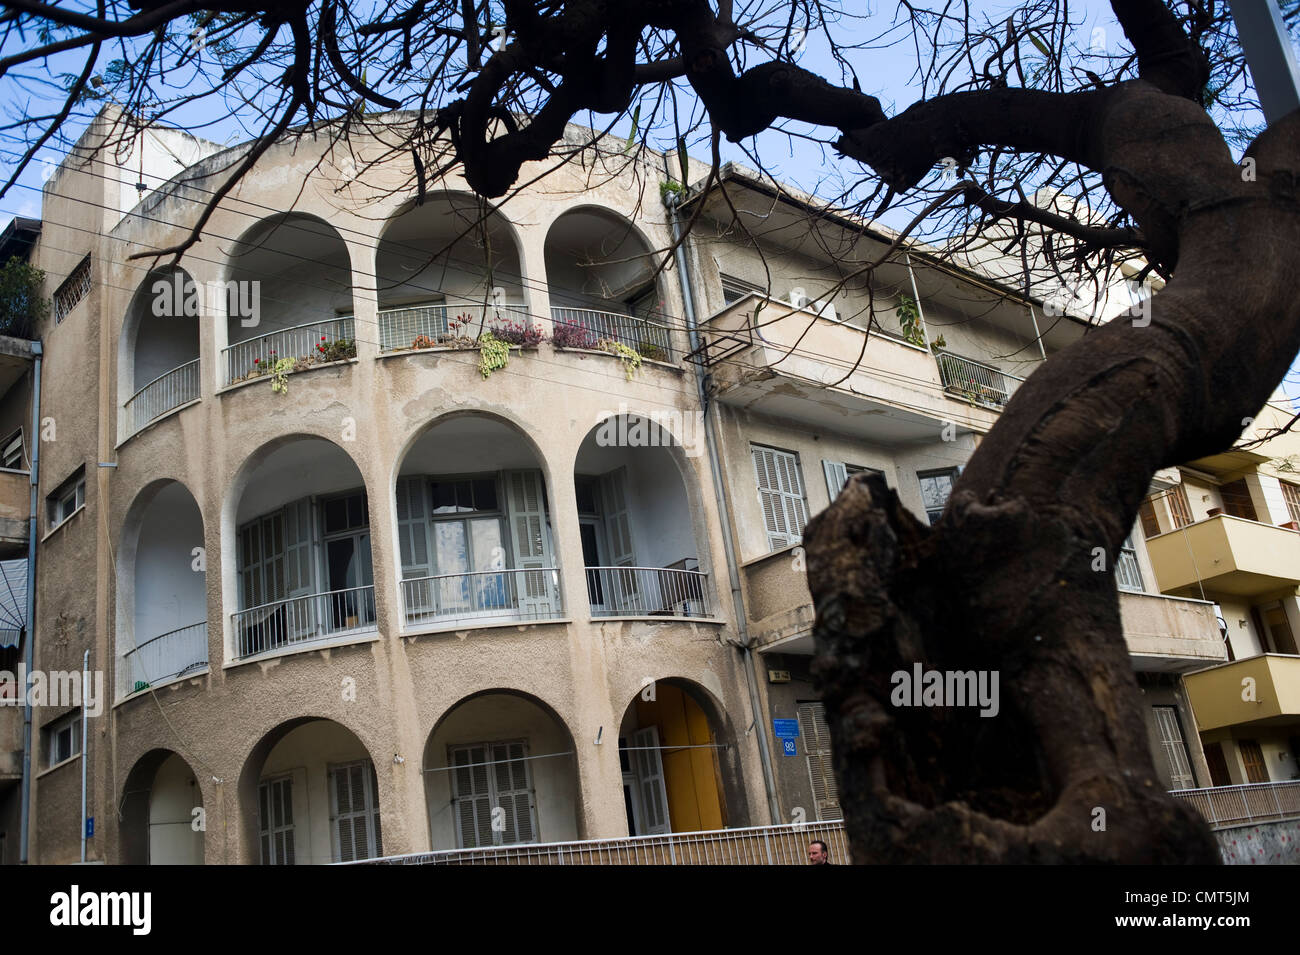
72, 290
777, 540
22, 451
953, 472
72, 489
55, 728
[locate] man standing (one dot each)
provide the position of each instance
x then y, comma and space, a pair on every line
817, 853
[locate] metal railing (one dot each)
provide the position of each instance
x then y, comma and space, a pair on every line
169, 390
976, 381
584, 327
647, 592
165, 656
1224, 806
301, 341
758, 845
305, 619
506, 594
400, 327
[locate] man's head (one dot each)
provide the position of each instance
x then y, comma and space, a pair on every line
817, 854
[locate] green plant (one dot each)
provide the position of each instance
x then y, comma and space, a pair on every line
652, 352
341, 349
630, 357
909, 320
670, 188
21, 302
493, 354
280, 372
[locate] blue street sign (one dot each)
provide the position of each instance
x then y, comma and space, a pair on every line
786, 729
787, 747
90, 826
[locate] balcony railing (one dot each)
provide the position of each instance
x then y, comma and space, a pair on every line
584, 327
975, 381
167, 391
1224, 806
306, 619
757, 845
400, 327
647, 592
483, 596
163, 657
302, 341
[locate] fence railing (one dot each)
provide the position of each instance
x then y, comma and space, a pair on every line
304, 619
976, 381
759, 845
165, 656
647, 592
584, 327
1224, 806
169, 390
302, 341
400, 327
505, 594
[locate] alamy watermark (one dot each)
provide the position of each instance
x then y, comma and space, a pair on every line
921, 687
178, 296
56, 688
655, 429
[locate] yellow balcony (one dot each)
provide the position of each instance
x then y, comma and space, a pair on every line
1170, 635
1226, 555
1254, 690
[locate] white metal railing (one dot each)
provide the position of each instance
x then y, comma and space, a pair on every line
505, 594
1224, 806
163, 657
757, 845
399, 328
975, 380
647, 592
302, 341
169, 390
585, 327
304, 619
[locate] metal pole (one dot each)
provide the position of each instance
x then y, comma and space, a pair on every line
29, 632
85, 748
1270, 56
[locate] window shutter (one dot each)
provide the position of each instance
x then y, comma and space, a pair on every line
816, 735
837, 475
355, 811
275, 821
649, 769
514, 793
413, 527
1175, 750
472, 795
781, 494
526, 502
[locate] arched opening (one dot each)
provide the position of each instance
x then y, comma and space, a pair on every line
601, 276
162, 594
445, 271
158, 362
309, 793
500, 768
288, 295
681, 771
474, 528
303, 569
162, 816
634, 517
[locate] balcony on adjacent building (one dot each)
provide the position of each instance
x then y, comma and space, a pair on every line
1170, 634
1226, 555
1264, 688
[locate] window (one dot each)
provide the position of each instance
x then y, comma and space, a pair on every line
492, 791
1179, 510
936, 487
1252, 758
781, 494
1150, 523
816, 736
1236, 500
838, 474
72, 291
1291, 494
1128, 575
275, 821
734, 289
1177, 764
354, 812
62, 739
64, 502
11, 452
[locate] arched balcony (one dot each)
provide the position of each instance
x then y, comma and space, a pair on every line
158, 357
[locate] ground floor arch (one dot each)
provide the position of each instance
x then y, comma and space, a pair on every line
162, 817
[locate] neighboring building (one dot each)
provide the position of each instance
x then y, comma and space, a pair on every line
409, 604
1226, 529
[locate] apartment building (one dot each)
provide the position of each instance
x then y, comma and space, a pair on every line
1224, 529
362, 586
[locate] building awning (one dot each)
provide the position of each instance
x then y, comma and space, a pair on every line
13, 601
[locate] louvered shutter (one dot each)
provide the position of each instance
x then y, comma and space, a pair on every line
412, 527
816, 735
350, 787
530, 542
649, 769
299, 572
513, 792
626, 597
837, 475
1175, 750
472, 796
275, 821
781, 494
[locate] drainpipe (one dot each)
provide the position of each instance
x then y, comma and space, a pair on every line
29, 633
719, 492
85, 747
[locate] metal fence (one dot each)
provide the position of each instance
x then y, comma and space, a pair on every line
303, 619
302, 341
975, 381
584, 327
169, 390
163, 657
759, 845
506, 594
647, 592
1239, 805
400, 327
